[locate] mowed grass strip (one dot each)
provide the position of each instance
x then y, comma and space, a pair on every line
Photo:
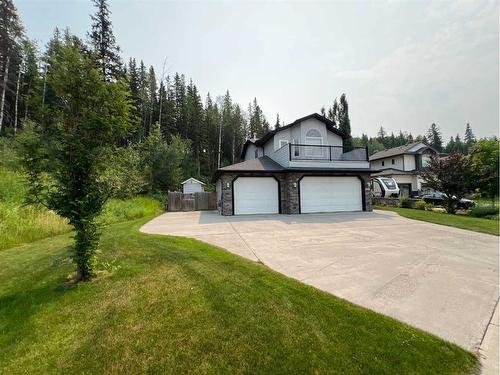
176, 305
475, 224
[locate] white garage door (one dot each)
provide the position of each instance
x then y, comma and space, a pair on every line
330, 194
255, 195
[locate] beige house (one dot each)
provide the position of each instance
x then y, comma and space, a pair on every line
403, 163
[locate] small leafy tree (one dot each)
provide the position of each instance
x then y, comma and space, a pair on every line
66, 153
164, 163
451, 175
485, 161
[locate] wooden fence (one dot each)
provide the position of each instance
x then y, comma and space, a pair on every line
191, 202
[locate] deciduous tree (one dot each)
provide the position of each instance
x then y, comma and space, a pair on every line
452, 175
65, 154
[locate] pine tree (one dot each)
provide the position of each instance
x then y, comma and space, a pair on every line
344, 123
258, 124
469, 137
104, 43
143, 99
212, 125
381, 133
152, 97
450, 147
333, 113
277, 124
168, 125
434, 137
11, 35
179, 89
459, 145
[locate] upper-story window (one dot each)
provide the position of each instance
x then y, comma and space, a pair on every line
314, 138
256, 153
393, 162
383, 163
282, 142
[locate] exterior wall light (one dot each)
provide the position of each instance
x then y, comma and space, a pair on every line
294, 184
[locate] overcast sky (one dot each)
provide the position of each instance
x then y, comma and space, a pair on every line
402, 64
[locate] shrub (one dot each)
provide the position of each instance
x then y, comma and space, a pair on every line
420, 204
483, 211
429, 206
405, 202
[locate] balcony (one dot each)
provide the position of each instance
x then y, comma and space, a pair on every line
297, 152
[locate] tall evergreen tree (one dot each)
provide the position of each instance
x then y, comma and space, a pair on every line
469, 137
344, 123
258, 124
277, 124
333, 113
152, 97
104, 43
434, 137
11, 35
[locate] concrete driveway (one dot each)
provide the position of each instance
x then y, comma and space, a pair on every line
441, 279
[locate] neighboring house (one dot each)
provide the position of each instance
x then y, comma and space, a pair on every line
403, 163
192, 185
298, 168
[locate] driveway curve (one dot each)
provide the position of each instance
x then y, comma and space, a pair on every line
441, 279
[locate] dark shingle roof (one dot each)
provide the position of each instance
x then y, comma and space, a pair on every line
395, 151
262, 164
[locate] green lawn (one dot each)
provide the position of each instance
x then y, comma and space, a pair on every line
458, 221
176, 305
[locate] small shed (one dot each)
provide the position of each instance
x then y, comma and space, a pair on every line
192, 185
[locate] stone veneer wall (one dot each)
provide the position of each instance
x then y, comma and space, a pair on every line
289, 194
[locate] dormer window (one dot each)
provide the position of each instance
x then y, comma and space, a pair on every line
383, 163
393, 162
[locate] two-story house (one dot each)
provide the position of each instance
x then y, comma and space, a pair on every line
302, 167
403, 163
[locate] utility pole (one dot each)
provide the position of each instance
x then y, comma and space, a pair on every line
220, 140
161, 84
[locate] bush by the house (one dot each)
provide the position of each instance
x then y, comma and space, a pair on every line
405, 202
420, 204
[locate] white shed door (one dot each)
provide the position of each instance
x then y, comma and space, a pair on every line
330, 194
255, 195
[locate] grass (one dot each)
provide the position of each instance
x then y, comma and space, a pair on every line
23, 224
458, 221
176, 305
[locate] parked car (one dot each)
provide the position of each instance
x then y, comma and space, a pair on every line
384, 187
438, 198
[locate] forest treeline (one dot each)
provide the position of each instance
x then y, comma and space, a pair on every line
199, 132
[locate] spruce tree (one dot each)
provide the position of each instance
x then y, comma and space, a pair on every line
434, 137
103, 40
469, 137
344, 123
333, 113
11, 35
277, 124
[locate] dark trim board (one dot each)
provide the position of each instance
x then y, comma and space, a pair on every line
265, 176
361, 180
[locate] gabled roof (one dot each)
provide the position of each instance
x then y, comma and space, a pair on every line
400, 150
192, 180
262, 164
261, 141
